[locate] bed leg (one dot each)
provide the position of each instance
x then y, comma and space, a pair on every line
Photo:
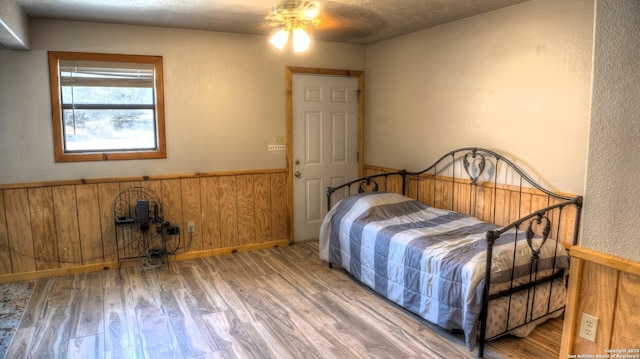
330, 265
481, 349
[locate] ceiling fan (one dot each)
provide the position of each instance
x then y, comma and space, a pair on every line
293, 17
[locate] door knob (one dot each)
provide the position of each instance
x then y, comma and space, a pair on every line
297, 174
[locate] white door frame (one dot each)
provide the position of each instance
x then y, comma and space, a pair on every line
290, 71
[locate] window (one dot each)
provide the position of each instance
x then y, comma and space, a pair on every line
106, 107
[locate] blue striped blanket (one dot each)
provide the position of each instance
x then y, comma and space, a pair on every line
429, 261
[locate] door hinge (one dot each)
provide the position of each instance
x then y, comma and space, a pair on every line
358, 156
358, 94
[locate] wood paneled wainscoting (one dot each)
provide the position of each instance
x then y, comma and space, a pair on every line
607, 288
64, 227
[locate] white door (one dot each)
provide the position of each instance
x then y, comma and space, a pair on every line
325, 145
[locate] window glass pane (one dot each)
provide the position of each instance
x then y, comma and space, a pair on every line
107, 95
100, 130
107, 106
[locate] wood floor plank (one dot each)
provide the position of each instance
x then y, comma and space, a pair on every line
332, 353
272, 303
345, 343
293, 324
368, 333
121, 328
231, 298
263, 305
171, 279
216, 355
39, 302
294, 274
188, 325
21, 343
156, 335
90, 309
269, 342
413, 332
309, 249
210, 301
229, 266
91, 346
340, 281
252, 262
233, 340
51, 335
158, 340
134, 352
394, 334
276, 286
144, 285
541, 343
187, 276
65, 292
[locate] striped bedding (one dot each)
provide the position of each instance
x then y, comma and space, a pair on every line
429, 261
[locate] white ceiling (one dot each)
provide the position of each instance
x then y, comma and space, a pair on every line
350, 21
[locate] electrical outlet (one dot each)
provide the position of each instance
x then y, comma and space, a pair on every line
191, 227
588, 327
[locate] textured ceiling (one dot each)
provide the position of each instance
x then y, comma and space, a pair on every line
350, 21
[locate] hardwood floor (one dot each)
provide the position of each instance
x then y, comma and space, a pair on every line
272, 303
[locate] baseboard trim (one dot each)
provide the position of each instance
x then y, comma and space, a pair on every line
46, 273
18, 277
228, 250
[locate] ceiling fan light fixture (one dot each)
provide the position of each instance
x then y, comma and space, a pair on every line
293, 16
312, 12
301, 40
279, 39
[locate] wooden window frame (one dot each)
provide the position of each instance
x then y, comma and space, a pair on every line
60, 154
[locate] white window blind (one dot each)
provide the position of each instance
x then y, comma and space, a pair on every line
106, 74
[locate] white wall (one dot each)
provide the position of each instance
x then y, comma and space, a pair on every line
516, 80
224, 98
612, 199
14, 26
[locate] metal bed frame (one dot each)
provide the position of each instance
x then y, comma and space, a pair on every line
478, 166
